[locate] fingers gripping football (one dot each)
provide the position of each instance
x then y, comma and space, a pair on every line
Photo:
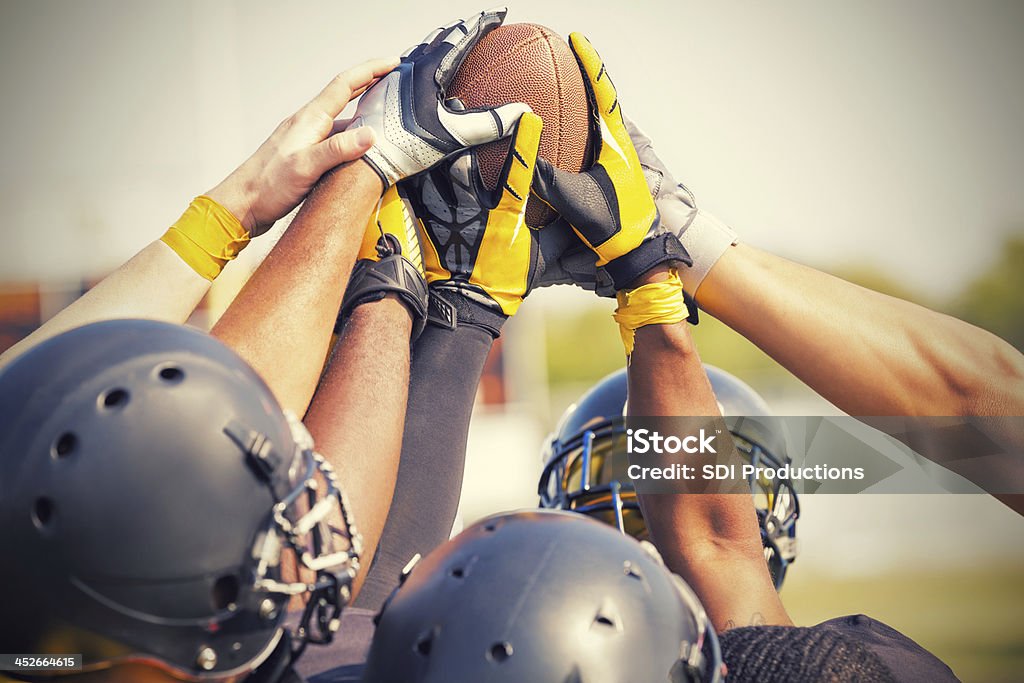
609, 205
395, 224
406, 109
389, 262
508, 251
475, 238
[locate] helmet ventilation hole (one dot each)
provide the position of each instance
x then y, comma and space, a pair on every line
490, 527
171, 374
607, 617
65, 445
225, 592
424, 644
43, 512
115, 398
457, 572
499, 652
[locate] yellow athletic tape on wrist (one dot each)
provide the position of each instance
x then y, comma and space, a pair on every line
657, 303
206, 237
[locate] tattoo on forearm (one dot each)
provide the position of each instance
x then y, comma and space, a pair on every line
756, 619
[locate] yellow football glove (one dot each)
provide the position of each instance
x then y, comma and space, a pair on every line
394, 219
474, 239
609, 205
389, 261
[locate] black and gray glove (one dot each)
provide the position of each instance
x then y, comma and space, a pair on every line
415, 126
704, 237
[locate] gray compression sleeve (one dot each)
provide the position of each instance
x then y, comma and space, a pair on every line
445, 372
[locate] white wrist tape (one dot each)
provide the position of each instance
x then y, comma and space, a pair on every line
706, 239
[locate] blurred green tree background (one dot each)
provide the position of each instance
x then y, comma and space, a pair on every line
995, 300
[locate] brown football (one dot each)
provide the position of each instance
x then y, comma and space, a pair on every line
532, 64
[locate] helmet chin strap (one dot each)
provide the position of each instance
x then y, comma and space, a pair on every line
277, 665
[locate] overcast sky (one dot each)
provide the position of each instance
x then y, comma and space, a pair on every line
828, 132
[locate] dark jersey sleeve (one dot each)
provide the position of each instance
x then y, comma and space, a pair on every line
908, 661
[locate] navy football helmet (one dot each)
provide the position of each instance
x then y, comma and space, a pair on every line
585, 463
547, 597
157, 506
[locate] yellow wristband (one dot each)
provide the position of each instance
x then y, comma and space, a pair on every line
657, 303
206, 237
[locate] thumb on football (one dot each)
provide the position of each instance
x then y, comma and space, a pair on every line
339, 148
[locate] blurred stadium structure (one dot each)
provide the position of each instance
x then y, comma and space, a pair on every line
898, 124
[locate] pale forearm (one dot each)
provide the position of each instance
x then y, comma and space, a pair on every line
868, 353
357, 414
155, 284
281, 321
711, 540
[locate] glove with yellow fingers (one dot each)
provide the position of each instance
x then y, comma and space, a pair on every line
415, 126
476, 244
389, 262
609, 206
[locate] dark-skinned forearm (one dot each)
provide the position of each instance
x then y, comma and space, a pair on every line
357, 414
281, 321
711, 540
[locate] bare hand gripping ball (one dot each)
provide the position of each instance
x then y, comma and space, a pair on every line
528, 63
